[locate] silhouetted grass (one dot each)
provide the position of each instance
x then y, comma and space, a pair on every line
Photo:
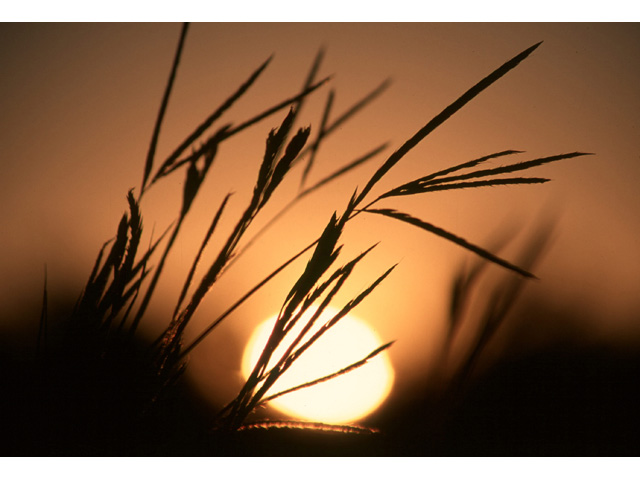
116, 282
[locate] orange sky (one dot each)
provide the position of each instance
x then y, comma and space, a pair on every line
79, 102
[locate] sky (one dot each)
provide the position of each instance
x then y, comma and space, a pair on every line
79, 102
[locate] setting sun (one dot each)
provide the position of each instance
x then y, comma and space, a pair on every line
343, 399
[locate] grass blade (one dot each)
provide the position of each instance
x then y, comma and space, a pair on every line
323, 427
366, 100
145, 258
502, 300
323, 256
316, 144
275, 141
421, 181
135, 227
94, 291
196, 260
154, 280
212, 118
163, 106
482, 183
122, 300
141, 266
342, 371
341, 171
311, 76
208, 151
451, 237
470, 164
276, 108
508, 168
123, 275
443, 116
96, 265
465, 280
135, 290
284, 165
347, 115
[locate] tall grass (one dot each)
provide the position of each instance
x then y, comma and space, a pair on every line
124, 278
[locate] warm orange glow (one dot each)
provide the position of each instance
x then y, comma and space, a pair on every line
343, 399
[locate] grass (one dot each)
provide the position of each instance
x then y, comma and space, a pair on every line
102, 330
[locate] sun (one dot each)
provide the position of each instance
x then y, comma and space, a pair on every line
343, 399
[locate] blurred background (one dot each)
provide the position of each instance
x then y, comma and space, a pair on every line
79, 103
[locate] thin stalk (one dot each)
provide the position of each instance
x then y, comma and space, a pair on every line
154, 280
196, 260
163, 106
231, 309
340, 372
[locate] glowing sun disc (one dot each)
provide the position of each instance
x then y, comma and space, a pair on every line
343, 399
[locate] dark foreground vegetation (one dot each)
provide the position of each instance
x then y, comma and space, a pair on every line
565, 398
